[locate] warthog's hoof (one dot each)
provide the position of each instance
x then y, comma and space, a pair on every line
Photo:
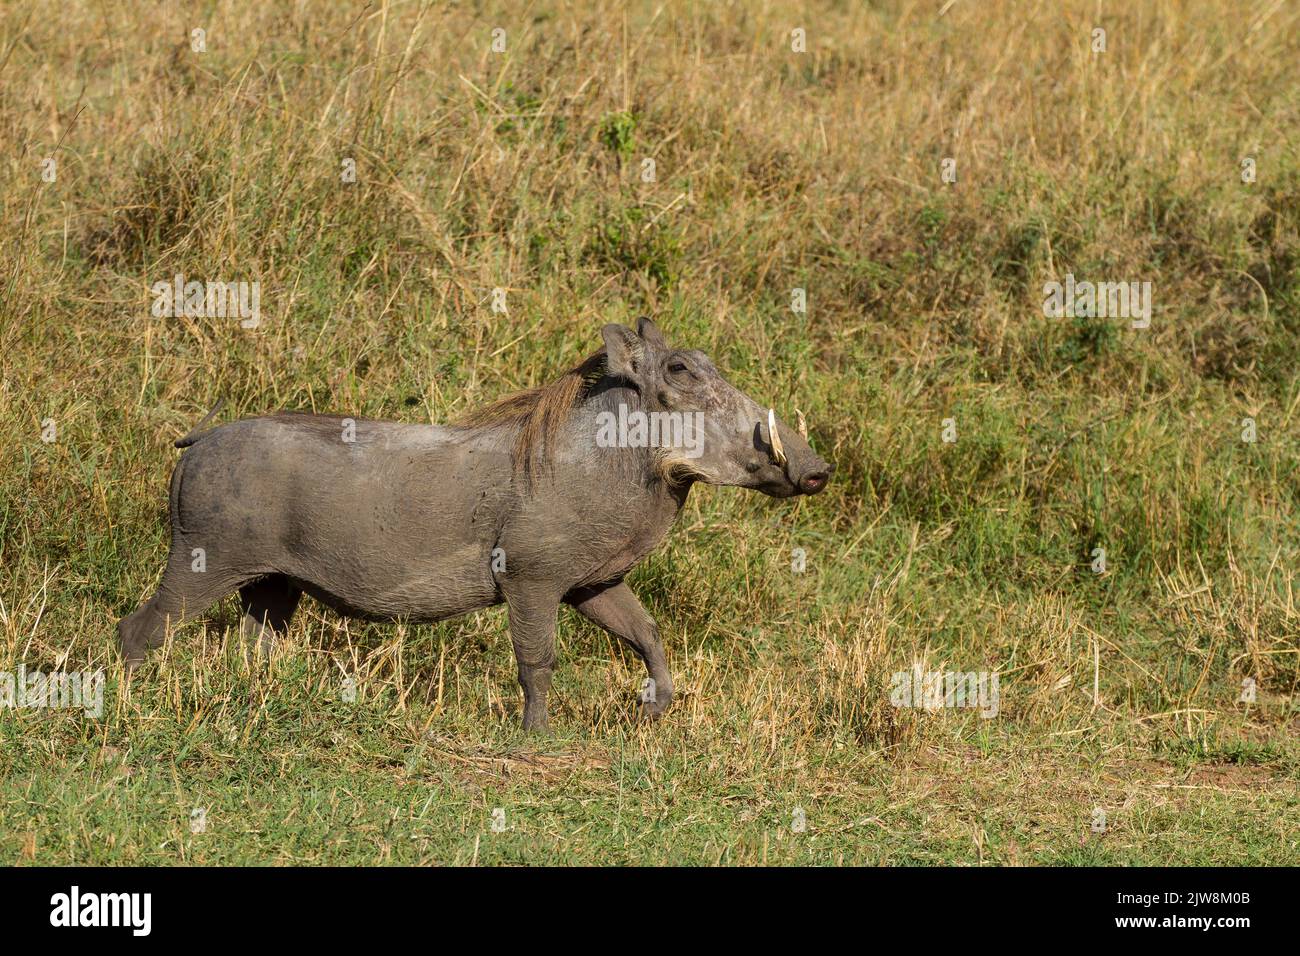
131, 659
132, 641
537, 723
652, 708
132, 655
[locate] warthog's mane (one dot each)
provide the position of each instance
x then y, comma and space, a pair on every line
539, 413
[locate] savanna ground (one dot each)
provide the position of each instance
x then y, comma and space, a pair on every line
774, 170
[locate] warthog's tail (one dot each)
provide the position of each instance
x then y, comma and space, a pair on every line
194, 434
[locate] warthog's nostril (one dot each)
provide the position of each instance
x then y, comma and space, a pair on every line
814, 481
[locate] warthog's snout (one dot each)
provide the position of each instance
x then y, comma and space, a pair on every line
807, 470
814, 476
803, 469
783, 464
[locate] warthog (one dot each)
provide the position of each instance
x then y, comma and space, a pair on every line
527, 501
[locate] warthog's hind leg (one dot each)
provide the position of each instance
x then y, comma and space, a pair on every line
183, 593
268, 605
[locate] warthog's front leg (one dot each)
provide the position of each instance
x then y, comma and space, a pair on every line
615, 608
532, 631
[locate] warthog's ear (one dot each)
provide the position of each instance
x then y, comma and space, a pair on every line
650, 333
623, 351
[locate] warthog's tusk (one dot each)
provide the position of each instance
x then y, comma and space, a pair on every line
775, 438
803, 425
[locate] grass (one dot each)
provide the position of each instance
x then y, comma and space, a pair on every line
774, 170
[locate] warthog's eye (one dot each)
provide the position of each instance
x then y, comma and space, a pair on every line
677, 367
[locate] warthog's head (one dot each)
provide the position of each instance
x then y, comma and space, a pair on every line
726, 437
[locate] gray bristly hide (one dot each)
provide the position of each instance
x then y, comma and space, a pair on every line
540, 500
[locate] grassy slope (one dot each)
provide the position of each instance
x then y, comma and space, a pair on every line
774, 170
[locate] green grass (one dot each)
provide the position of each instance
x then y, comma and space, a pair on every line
774, 171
